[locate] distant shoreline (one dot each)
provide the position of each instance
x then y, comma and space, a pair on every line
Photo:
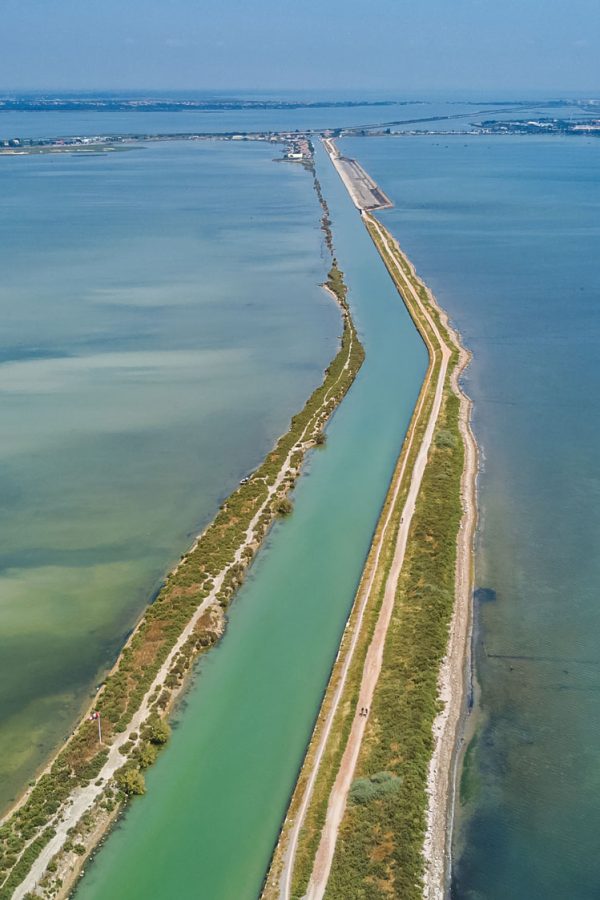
113, 104
308, 845
25, 146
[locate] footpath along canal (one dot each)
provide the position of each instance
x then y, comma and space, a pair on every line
218, 794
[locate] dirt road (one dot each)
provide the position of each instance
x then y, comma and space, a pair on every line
374, 659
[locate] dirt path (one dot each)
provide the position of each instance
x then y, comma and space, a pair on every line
374, 658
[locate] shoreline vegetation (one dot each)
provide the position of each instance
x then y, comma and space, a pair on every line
49, 833
371, 812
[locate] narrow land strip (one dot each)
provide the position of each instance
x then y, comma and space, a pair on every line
363, 597
354, 680
374, 660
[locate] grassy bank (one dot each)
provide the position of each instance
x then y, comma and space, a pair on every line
380, 845
379, 852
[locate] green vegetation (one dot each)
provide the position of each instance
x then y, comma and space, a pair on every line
156, 731
23, 862
379, 850
146, 755
315, 817
284, 507
364, 790
325, 218
81, 760
131, 781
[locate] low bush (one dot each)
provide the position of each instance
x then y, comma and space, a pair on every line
364, 790
130, 781
284, 507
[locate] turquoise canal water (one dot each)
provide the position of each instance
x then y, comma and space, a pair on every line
161, 321
506, 231
217, 796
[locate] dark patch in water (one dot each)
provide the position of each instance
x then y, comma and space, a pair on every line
24, 353
484, 595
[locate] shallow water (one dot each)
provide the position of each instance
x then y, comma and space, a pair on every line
162, 320
217, 795
506, 233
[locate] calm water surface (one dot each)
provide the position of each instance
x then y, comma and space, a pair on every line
216, 798
161, 321
506, 232
48, 124
15, 124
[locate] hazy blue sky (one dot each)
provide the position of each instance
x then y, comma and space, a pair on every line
401, 45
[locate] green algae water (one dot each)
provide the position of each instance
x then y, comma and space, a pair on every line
161, 321
217, 796
506, 232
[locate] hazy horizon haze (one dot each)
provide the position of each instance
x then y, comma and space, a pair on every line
468, 46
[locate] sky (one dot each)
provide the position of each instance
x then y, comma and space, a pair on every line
406, 47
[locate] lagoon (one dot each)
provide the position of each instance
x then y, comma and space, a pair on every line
162, 320
506, 231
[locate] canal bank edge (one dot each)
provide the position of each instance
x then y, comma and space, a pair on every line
308, 808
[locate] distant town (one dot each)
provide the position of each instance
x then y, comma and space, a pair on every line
540, 126
145, 104
296, 146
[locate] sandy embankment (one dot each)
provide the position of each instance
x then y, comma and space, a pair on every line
453, 678
453, 675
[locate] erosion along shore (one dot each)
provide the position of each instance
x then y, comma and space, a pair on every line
46, 838
372, 808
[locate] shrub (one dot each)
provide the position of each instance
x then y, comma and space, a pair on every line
284, 507
131, 782
379, 785
147, 755
157, 731
445, 439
